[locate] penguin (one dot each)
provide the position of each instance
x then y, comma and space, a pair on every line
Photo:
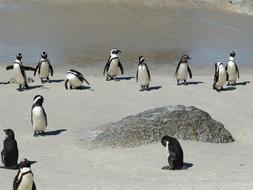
19, 72
112, 65
38, 116
9, 153
75, 79
143, 74
220, 76
24, 178
174, 152
232, 69
182, 69
44, 68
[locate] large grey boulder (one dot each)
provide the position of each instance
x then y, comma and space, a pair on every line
182, 122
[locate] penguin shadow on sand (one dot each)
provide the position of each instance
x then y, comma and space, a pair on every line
228, 88
194, 83
244, 83
186, 166
124, 78
55, 132
56, 81
17, 167
29, 88
153, 88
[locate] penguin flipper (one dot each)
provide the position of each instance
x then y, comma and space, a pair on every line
237, 70
137, 75
149, 76
189, 71
121, 68
107, 65
9, 67
66, 84
86, 81
177, 69
51, 68
27, 68
34, 186
45, 115
16, 182
36, 68
227, 76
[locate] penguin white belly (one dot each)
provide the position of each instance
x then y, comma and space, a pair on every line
19, 78
113, 69
143, 78
182, 72
231, 69
39, 119
26, 183
44, 70
222, 78
73, 80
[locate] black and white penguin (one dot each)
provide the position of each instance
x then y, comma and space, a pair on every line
220, 76
182, 69
19, 72
44, 68
174, 152
232, 69
143, 74
38, 116
9, 153
113, 65
75, 79
24, 178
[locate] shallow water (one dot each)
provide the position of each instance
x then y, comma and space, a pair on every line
83, 32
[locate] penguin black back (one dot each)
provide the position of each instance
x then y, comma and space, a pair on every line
9, 153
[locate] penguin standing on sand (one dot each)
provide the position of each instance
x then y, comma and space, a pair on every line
75, 79
182, 69
38, 116
113, 65
232, 69
19, 72
143, 74
220, 76
44, 68
24, 178
9, 153
174, 152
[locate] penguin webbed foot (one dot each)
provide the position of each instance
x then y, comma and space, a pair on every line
35, 134
185, 83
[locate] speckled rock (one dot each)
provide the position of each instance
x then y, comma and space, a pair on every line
182, 122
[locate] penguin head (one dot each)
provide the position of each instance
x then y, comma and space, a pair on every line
232, 54
9, 133
38, 99
24, 163
219, 64
184, 58
44, 55
166, 139
115, 51
19, 56
141, 59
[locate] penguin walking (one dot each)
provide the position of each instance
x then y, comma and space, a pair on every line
232, 69
220, 76
182, 69
44, 68
19, 72
75, 79
174, 152
38, 116
143, 74
9, 153
113, 65
24, 178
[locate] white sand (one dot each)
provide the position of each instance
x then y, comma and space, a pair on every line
64, 163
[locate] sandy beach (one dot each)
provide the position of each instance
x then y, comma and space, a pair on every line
64, 162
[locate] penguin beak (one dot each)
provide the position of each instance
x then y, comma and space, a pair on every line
189, 57
119, 51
